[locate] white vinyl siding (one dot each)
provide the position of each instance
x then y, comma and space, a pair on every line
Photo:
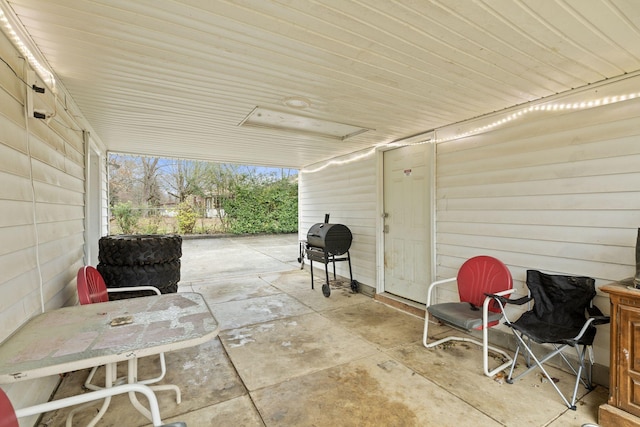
348, 193
42, 221
559, 192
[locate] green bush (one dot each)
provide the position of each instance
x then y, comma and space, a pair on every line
263, 208
151, 226
186, 218
126, 217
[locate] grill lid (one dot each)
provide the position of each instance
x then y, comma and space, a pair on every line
335, 239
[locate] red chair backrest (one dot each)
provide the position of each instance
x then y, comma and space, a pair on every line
7, 413
91, 286
480, 275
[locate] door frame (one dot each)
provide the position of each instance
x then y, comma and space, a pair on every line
428, 139
93, 219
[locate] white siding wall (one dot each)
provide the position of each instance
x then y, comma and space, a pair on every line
557, 192
42, 212
348, 193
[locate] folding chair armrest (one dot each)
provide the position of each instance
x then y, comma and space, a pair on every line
502, 302
499, 296
601, 320
597, 316
436, 283
134, 288
585, 327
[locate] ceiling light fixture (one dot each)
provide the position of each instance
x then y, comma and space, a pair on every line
272, 119
13, 29
296, 102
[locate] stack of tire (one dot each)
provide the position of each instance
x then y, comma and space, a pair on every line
140, 260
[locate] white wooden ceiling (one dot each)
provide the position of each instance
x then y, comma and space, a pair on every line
176, 78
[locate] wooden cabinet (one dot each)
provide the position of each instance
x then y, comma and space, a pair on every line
623, 407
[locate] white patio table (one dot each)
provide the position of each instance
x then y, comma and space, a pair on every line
84, 336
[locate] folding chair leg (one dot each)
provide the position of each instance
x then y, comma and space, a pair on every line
513, 364
539, 364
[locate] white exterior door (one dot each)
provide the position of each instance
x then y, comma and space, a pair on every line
407, 221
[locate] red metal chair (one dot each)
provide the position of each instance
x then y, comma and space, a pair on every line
92, 289
9, 416
7, 413
477, 277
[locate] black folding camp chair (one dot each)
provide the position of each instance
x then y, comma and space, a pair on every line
562, 316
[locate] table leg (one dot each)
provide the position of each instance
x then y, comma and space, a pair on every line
132, 378
109, 377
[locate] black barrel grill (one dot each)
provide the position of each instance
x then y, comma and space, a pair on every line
329, 243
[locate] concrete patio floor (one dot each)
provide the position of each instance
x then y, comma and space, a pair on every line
288, 356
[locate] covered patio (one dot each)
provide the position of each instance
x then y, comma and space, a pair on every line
288, 356
435, 131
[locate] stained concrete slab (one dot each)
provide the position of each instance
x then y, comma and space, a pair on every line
235, 314
290, 282
205, 259
378, 323
272, 352
457, 367
371, 391
234, 289
238, 412
204, 374
587, 409
306, 360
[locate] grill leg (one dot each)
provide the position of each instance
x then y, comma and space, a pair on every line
311, 268
326, 270
326, 289
301, 254
333, 260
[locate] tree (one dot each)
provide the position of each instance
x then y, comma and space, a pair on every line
182, 178
123, 182
262, 200
150, 187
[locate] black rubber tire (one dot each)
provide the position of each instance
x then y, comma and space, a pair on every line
164, 276
143, 249
113, 296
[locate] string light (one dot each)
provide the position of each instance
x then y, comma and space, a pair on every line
511, 117
547, 107
42, 71
342, 162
